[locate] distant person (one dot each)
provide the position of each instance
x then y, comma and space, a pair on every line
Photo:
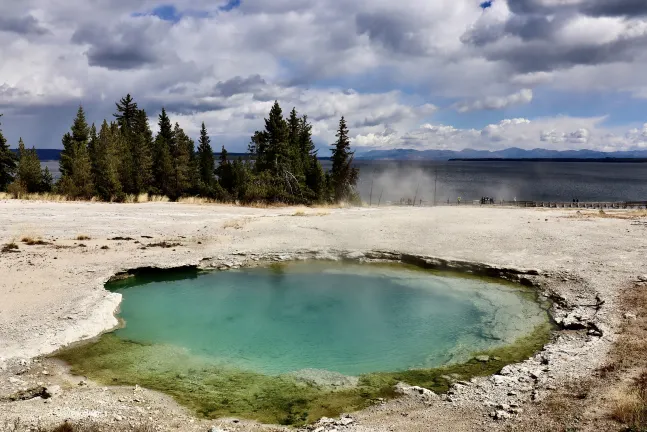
459, 200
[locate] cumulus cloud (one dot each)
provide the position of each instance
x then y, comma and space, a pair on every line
23, 25
522, 97
388, 66
559, 133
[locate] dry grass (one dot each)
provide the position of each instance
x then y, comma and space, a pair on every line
301, 213
236, 223
10, 247
608, 214
630, 407
83, 237
33, 241
18, 426
197, 200
36, 197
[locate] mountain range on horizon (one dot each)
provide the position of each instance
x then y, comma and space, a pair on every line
445, 155
509, 153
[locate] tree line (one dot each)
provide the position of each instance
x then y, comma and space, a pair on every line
123, 157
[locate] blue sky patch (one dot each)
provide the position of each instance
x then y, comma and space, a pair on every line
231, 4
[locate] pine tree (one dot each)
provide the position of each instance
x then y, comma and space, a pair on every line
225, 173
126, 114
296, 163
46, 181
206, 159
181, 153
142, 153
75, 165
162, 163
343, 175
127, 118
107, 160
271, 145
67, 156
7, 163
28, 174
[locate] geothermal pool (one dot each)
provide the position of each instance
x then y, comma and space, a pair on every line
348, 319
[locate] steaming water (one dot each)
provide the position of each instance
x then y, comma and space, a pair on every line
346, 319
532, 181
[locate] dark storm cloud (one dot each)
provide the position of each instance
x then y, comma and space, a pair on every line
27, 25
537, 23
629, 8
127, 46
610, 8
543, 56
395, 32
239, 85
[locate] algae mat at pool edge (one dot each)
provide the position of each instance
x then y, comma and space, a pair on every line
220, 390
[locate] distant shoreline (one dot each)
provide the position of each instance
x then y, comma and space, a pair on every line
611, 160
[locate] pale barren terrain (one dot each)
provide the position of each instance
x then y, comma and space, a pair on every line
52, 294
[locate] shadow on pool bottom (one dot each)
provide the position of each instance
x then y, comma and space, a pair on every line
214, 391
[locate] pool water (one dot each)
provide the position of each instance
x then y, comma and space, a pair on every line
348, 319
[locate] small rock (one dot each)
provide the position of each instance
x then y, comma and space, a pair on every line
630, 316
482, 358
642, 278
13, 380
500, 415
326, 421
216, 429
345, 421
51, 391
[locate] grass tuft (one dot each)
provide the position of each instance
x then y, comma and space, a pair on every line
33, 241
82, 237
10, 247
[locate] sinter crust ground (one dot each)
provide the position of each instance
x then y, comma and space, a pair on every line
53, 295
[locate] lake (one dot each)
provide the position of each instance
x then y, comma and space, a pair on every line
532, 181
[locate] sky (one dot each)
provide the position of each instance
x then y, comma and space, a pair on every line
418, 74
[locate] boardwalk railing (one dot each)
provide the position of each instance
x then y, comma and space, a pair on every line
582, 205
544, 204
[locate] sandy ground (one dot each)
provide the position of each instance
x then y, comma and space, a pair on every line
52, 295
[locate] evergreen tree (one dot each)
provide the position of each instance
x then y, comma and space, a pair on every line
93, 154
296, 162
7, 163
67, 156
181, 153
76, 169
225, 172
106, 175
206, 159
28, 174
271, 145
162, 163
46, 181
343, 175
142, 153
127, 116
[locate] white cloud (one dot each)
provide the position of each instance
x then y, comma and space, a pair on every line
59, 53
522, 97
559, 133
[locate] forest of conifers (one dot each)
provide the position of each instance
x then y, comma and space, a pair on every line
123, 158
